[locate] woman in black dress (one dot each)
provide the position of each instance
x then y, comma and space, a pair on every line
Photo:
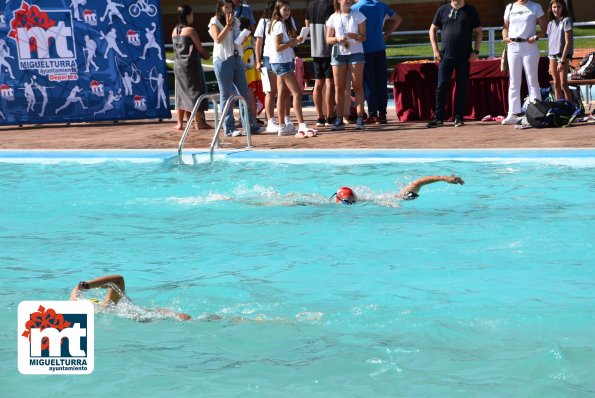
188, 69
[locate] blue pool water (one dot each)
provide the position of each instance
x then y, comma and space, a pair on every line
484, 289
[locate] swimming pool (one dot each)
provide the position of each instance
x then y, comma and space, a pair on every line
476, 290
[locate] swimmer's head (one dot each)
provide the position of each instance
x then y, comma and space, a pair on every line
410, 195
345, 195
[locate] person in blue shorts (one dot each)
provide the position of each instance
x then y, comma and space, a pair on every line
381, 22
346, 195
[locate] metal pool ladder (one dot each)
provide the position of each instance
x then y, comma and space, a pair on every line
210, 97
244, 117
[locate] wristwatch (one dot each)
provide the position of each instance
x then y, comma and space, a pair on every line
476, 52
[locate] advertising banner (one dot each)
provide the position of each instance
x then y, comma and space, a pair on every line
81, 60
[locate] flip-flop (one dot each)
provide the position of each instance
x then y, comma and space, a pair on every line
300, 134
310, 133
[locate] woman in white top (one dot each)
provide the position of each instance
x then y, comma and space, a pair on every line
265, 45
520, 35
282, 63
346, 30
228, 64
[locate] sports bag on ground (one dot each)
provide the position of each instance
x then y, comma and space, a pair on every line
559, 113
586, 68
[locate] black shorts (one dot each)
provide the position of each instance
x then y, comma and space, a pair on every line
322, 68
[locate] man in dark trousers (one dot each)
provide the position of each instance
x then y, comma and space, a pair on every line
324, 89
381, 22
457, 21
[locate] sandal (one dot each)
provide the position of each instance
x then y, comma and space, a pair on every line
300, 134
311, 133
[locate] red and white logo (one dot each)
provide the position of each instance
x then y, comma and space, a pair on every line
90, 17
140, 103
44, 39
133, 37
97, 88
56, 337
7, 92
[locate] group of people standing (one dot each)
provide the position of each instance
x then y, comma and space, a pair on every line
349, 53
458, 23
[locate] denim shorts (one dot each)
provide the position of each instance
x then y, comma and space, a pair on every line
350, 59
557, 57
266, 63
283, 69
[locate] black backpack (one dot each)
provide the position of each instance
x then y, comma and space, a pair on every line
559, 113
586, 68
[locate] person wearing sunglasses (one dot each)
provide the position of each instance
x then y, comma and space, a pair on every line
457, 22
346, 196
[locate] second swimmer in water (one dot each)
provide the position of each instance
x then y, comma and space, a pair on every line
346, 195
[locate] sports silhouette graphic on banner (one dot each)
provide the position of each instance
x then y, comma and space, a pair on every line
81, 60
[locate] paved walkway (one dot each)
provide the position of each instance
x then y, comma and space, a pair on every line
148, 134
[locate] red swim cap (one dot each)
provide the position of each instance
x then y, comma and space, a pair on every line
345, 194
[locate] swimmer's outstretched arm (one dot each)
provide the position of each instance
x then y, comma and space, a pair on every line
416, 185
112, 295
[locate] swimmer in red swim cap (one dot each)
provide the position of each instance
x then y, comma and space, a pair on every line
345, 195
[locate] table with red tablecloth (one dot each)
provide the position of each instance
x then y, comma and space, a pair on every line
415, 89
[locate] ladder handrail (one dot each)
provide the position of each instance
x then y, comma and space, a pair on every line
200, 99
244, 117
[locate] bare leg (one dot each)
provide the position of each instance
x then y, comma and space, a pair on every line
180, 119
329, 97
318, 95
269, 101
563, 77
282, 93
179, 315
292, 84
339, 74
288, 104
556, 78
357, 82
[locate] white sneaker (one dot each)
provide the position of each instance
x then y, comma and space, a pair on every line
290, 125
272, 127
284, 131
510, 119
236, 133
